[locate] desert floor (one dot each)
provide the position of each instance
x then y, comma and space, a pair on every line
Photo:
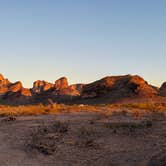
82, 139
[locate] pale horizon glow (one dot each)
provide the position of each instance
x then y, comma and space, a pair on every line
82, 40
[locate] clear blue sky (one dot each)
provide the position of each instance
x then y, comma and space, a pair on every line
83, 40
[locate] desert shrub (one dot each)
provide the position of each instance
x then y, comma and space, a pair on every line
147, 106
148, 123
46, 138
10, 118
86, 138
60, 127
42, 144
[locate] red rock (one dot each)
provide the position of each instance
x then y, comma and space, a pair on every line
112, 88
61, 83
72, 90
26, 92
162, 90
117, 87
1, 77
41, 86
4, 83
16, 87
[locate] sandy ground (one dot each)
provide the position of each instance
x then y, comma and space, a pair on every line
111, 145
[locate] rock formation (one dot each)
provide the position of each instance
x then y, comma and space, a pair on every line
61, 83
15, 87
4, 83
117, 87
162, 90
41, 86
112, 88
13, 92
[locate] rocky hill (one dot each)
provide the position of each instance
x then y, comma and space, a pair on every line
13, 92
119, 87
162, 90
108, 89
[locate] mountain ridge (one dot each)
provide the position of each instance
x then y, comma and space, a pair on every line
111, 88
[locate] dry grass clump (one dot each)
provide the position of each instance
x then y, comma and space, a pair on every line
46, 138
147, 106
52, 108
105, 109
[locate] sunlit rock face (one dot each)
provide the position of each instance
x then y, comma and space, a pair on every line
44, 86
41, 86
26, 92
162, 90
60, 91
118, 87
61, 83
77, 89
62, 88
15, 87
4, 83
1, 77
13, 92
71, 90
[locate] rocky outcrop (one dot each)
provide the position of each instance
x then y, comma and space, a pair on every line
26, 92
59, 91
1, 77
4, 83
41, 86
72, 90
112, 88
15, 87
162, 90
61, 83
117, 87
13, 92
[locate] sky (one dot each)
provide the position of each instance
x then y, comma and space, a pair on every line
83, 40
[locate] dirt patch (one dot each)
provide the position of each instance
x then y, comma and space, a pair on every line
82, 139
